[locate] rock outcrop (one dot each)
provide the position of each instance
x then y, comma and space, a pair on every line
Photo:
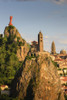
37, 80
22, 44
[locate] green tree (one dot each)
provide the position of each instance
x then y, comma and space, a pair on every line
9, 63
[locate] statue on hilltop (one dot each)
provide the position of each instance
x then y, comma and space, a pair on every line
10, 23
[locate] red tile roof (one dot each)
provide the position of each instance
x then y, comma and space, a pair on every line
64, 78
2, 85
59, 59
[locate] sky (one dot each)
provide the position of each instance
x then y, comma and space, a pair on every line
32, 16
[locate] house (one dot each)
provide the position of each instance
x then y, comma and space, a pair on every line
3, 87
63, 80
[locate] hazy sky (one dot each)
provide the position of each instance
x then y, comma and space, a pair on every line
32, 16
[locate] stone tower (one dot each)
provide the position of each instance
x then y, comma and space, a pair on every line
53, 49
40, 42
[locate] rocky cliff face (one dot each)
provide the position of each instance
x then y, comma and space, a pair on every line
22, 45
37, 80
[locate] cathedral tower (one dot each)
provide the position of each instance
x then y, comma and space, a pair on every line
53, 48
40, 42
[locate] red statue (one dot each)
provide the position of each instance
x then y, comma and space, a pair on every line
10, 23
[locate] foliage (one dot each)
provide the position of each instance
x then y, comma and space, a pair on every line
28, 45
66, 84
6, 97
30, 57
59, 69
61, 74
64, 68
47, 58
54, 63
19, 42
59, 95
0, 91
9, 63
65, 97
10, 27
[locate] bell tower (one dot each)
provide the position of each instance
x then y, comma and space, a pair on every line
40, 42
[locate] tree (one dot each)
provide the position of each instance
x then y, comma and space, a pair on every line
53, 49
9, 63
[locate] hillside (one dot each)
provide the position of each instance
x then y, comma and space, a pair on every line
37, 80
22, 44
13, 50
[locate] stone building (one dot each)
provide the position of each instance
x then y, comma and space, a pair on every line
40, 42
63, 52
